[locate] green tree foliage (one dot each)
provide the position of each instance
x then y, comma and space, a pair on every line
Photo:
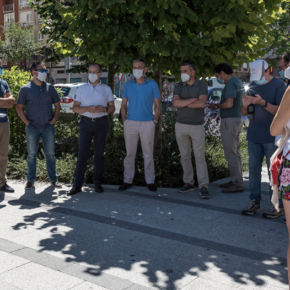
280, 33
163, 32
19, 43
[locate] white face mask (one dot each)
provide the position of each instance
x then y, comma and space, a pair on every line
138, 73
287, 73
93, 77
185, 77
42, 76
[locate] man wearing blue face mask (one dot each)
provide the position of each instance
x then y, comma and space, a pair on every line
264, 96
94, 101
38, 97
283, 63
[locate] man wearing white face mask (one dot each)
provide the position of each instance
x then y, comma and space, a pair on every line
140, 122
94, 101
38, 98
264, 96
189, 97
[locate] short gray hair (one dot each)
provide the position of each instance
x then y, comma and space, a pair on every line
140, 60
189, 63
98, 65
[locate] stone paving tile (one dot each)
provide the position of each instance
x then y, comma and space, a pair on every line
36, 277
9, 261
6, 286
6, 246
203, 284
89, 286
101, 279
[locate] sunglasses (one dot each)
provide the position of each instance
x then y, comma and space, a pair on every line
42, 70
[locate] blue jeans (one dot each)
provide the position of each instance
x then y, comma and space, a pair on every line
33, 136
257, 151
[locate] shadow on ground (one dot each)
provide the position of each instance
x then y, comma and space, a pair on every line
94, 231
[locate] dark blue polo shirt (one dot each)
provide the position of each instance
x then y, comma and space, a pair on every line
38, 102
3, 112
259, 128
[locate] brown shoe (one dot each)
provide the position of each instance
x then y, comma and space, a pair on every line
125, 186
233, 188
226, 185
152, 187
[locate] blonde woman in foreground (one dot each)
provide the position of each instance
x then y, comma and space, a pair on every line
281, 126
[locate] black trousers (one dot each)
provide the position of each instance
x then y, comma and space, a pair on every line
88, 130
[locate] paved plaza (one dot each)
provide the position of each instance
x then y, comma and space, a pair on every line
137, 240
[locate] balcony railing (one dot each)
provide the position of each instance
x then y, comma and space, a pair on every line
8, 8
23, 3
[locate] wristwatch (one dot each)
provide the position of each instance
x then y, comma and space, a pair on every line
264, 105
107, 109
156, 122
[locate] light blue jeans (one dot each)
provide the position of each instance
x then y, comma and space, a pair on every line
33, 136
257, 151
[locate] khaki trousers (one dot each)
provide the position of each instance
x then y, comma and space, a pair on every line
230, 133
185, 134
4, 147
133, 130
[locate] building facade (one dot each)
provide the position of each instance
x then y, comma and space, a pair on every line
20, 12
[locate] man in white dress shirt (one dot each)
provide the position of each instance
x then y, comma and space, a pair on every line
94, 101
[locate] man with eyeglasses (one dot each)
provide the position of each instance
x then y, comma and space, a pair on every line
189, 97
38, 97
94, 101
264, 96
283, 62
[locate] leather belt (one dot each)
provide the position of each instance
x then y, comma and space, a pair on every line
94, 119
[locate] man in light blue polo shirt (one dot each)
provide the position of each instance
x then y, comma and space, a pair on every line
140, 122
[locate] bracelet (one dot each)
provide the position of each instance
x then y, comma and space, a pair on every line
156, 122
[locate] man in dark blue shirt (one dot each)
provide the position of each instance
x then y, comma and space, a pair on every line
6, 101
263, 97
38, 98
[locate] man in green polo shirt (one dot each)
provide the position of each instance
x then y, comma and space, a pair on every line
231, 124
189, 98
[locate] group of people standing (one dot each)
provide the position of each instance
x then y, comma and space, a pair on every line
94, 101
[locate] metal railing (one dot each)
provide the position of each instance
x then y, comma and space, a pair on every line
23, 3
8, 8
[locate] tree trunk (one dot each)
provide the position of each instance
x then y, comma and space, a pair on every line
158, 131
111, 76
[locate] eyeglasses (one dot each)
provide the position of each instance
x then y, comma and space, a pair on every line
280, 67
42, 70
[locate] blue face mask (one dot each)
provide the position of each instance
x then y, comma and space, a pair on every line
222, 82
261, 82
282, 74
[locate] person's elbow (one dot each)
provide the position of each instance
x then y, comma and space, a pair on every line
175, 104
275, 131
75, 110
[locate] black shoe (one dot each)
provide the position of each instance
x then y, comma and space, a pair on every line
204, 193
6, 188
98, 188
125, 186
29, 185
74, 190
56, 184
152, 187
251, 208
273, 213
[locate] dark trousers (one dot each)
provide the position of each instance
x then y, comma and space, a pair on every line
88, 130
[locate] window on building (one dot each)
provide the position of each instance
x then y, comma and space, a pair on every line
40, 37
29, 18
8, 17
245, 65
